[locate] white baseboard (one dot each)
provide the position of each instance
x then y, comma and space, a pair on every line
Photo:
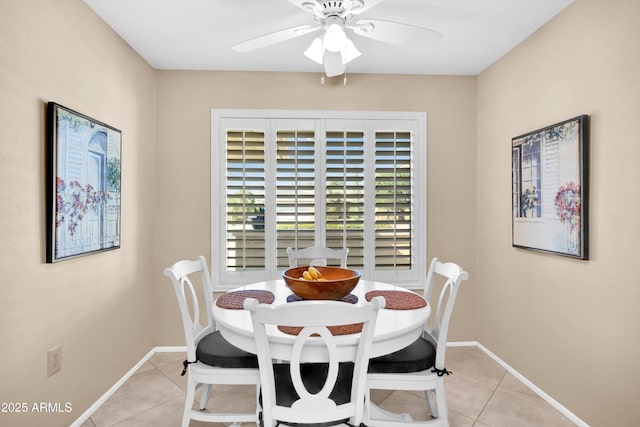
537, 390
170, 349
85, 416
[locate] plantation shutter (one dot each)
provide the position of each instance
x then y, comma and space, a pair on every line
245, 199
393, 200
295, 191
345, 193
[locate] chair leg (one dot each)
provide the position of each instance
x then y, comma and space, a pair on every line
429, 396
204, 399
188, 402
441, 401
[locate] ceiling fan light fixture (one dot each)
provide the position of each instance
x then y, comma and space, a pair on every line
350, 52
334, 38
315, 50
333, 62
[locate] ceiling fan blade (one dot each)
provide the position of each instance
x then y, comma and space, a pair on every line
395, 32
307, 5
273, 38
366, 5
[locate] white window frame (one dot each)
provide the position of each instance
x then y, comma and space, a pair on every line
417, 123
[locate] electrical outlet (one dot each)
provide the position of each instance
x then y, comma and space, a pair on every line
54, 360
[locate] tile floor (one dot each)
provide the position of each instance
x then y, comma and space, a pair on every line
480, 393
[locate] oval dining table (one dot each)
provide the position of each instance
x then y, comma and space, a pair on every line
399, 324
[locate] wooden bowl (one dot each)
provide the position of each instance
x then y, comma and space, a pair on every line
336, 282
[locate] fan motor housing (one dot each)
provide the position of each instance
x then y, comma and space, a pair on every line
332, 7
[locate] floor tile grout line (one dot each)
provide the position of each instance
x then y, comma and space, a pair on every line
144, 411
493, 393
484, 380
524, 393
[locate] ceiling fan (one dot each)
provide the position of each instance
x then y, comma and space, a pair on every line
333, 49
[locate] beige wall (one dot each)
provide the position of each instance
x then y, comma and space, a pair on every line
184, 103
97, 307
569, 326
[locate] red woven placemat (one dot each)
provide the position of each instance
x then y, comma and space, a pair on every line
351, 298
354, 328
235, 299
398, 300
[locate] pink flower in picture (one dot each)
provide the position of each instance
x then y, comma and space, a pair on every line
568, 204
74, 200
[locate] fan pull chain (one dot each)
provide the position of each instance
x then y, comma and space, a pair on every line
344, 82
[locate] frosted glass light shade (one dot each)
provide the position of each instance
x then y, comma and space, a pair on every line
314, 51
333, 61
334, 38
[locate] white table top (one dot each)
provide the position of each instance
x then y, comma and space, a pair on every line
395, 329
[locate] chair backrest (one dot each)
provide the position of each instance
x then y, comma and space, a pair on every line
313, 319
453, 275
317, 255
192, 284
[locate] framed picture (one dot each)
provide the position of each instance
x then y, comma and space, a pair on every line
83, 185
550, 196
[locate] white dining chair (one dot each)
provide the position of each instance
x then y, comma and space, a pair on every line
317, 255
313, 393
210, 358
421, 365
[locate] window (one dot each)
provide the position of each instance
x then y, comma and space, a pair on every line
310, 178
525, 159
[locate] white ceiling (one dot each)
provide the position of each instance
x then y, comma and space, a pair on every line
199, 34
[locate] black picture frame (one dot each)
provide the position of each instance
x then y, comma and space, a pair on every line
550, 189
83, 184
